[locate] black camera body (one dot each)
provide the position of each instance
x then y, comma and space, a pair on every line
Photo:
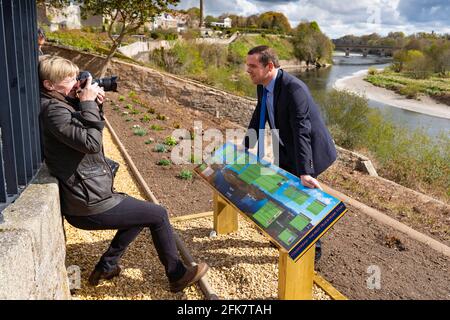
108, 84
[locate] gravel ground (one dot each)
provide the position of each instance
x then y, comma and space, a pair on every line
243, 264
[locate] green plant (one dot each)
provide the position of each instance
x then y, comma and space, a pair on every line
129, 106
139, 132
156, 127
160, 148
128, 119
163, 162
146, 118
170, 141
132, 94
135, 111
149, 141
186, 175
121, 98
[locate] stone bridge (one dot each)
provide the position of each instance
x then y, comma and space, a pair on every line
365, 49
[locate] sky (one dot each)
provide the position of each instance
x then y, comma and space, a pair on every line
337, 18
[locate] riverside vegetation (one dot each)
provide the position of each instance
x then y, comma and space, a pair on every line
410, 158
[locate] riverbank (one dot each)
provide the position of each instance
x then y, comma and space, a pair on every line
356, 83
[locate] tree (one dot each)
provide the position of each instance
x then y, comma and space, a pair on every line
129, 15
310, 44
274, 21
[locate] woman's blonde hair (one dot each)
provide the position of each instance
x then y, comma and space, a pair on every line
55, 68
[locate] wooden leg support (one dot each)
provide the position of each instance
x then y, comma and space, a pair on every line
225, 216
295, 279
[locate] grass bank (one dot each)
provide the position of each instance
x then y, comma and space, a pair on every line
436, 86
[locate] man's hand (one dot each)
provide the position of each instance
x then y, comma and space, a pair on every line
90, 92
310, 182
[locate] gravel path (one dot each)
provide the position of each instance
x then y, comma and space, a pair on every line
243, 265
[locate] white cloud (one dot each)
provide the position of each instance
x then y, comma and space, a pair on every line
336, 19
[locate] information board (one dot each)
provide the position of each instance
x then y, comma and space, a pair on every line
294, 216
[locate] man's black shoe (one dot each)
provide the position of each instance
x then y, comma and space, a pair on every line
192, 275
97, 275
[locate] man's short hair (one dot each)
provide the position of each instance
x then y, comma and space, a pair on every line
266, 55
55, 68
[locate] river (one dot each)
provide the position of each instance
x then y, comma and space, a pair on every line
324, 79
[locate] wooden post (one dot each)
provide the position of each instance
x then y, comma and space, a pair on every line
225, 216
295, 279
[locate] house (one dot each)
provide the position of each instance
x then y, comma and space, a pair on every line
225, 24
66, 18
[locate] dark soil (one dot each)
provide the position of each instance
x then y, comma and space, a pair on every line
408, 269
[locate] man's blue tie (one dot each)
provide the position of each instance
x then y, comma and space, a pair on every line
262, 125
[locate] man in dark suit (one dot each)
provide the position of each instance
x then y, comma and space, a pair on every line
305, 146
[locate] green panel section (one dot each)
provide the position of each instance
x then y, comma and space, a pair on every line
299, 222
316, 207
251, 173
297, 196
267, 214
287, 237
269, 182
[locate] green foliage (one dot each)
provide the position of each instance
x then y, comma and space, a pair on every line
411, 90
310, 44
156, 127
121, 98
139, 132
132, 94
170, 141
186, 175
146, 118
160, 148
163, 162
149, 141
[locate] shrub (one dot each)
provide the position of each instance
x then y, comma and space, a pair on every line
163, 162
186, 175
160, 148
121, 98
146, 118
149, 141
411, 90
139, 132
372, 71
156, 127
170, 141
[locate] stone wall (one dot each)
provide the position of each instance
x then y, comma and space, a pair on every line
32, 244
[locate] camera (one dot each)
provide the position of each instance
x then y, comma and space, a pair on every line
108, 84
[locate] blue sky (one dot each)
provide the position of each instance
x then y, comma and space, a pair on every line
337, 18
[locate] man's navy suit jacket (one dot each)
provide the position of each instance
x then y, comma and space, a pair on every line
308, 146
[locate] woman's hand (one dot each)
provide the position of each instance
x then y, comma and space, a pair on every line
90, 91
